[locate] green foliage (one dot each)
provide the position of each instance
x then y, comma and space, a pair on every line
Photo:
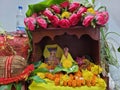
37, 79
33, 76
119, 49
37, 64
30, 43
107, 49
86, 3
59, 68
18, 86
41, 6
43, 70
4, 87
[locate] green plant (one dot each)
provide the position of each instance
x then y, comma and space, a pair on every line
108, 50
17, 86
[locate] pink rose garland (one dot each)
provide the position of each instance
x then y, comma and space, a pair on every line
64, 4
74, 19
56, 8
54, 21
64, 23
74, 6
75, 12
87, 20
41, 22
102, 18
30, 23
48, 13
81, 10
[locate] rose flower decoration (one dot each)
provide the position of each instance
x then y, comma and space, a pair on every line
65, 15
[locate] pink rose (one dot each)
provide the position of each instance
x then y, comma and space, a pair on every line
74, 19
74, 6
54, 20
64, 23
64, 4
102, 18
56, 8
34, 15
30, 23
87, 20
41, 22
106, 15
48, 13
81, 10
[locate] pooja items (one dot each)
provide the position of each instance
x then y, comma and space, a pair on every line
67, 60
5, 48
14, 69
11, 66
67, 23
73, 80
14, 44
52, 59
52, 54
20, 45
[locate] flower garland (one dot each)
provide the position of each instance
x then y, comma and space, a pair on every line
22, 76
65, 15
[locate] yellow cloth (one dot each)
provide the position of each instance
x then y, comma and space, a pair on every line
50, 86
69, 57
59, 51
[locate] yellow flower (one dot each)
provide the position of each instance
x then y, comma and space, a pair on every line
43, 65
66, 63
87, 75
64, 77
65, 14
91, 10
96, 69
100, 83
41, 75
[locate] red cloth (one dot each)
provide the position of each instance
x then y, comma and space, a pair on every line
20, 45
17, 45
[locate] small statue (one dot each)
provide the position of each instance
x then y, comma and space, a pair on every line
52, 59
52, 54
66, 60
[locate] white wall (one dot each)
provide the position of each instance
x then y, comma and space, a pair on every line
8, 11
